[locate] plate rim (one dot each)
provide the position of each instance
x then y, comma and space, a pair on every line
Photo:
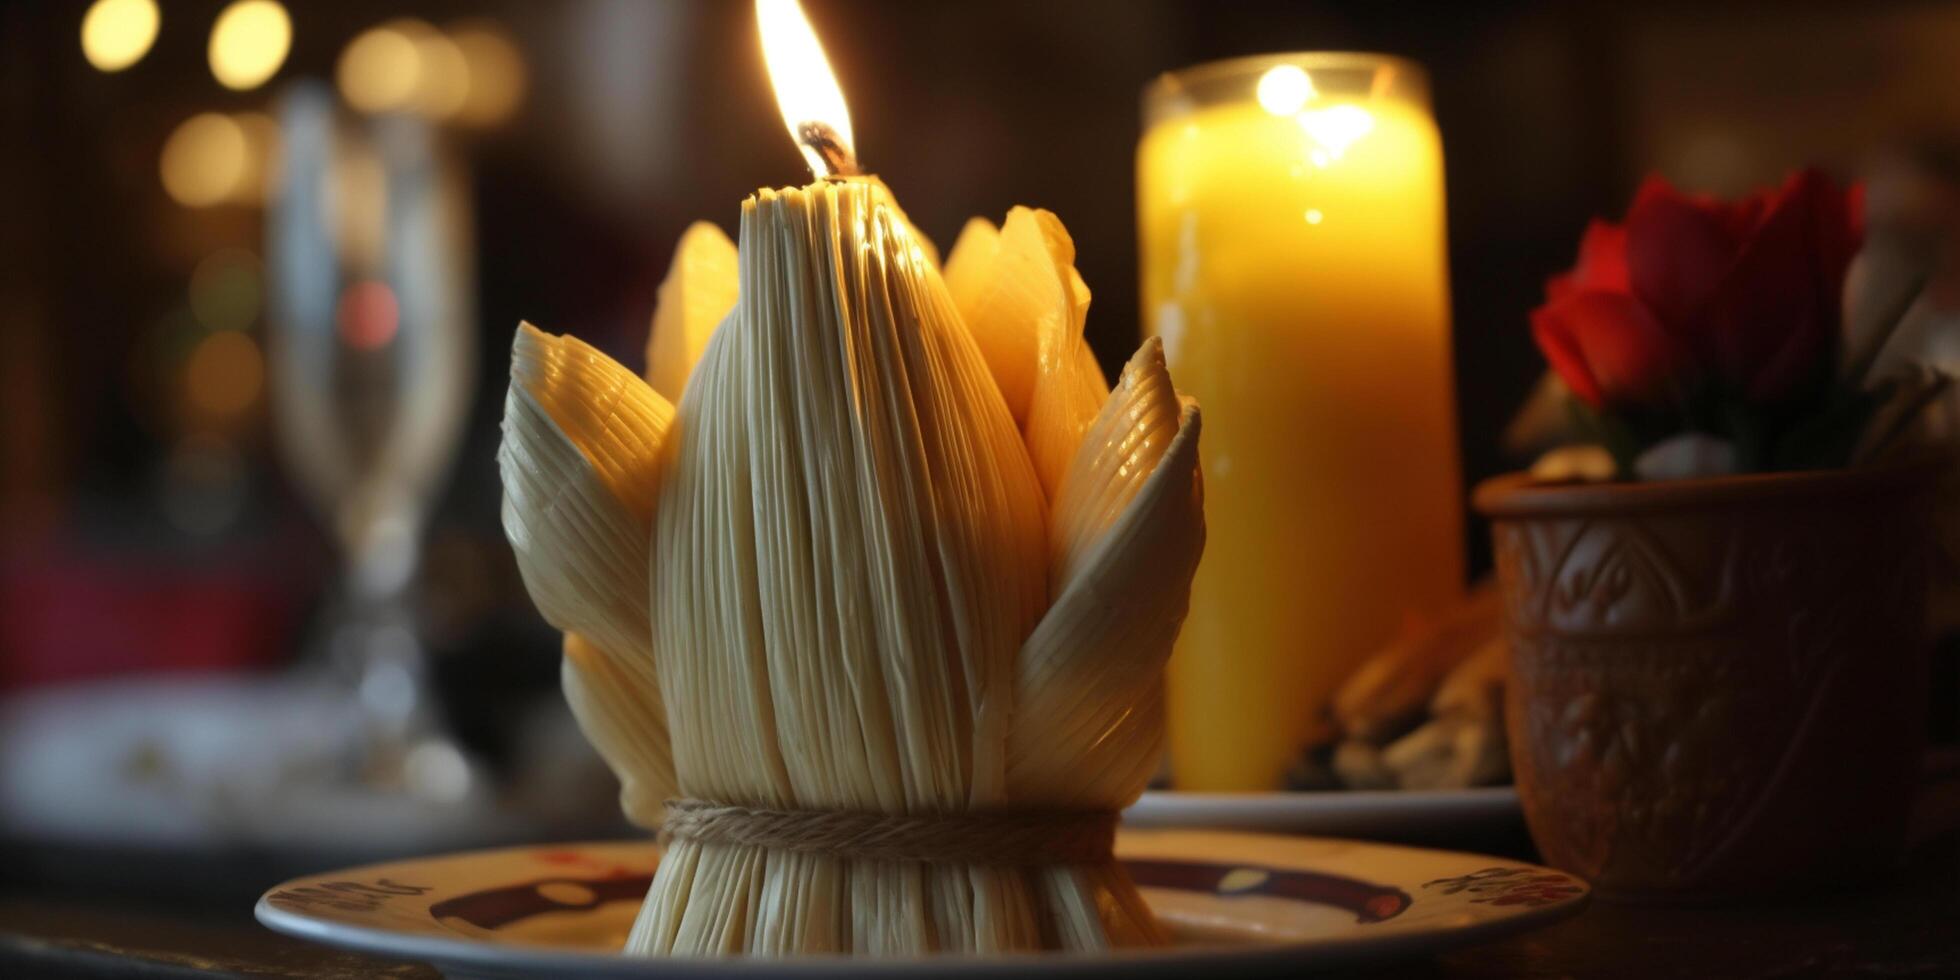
521, 958
1436, 817
1270, 799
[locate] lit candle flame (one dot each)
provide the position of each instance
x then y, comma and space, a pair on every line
806, 89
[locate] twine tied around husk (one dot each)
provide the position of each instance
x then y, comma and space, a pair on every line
1001, 838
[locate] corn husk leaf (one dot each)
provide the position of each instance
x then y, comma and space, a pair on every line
1068, 392
622, 716
1125, 537
1020, 296
612, 419
693, 300
580, 464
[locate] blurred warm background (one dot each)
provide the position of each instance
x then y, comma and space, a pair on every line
260, 265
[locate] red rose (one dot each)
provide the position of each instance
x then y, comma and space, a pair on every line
1744, 294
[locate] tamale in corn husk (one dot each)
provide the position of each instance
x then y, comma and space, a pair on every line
876, 585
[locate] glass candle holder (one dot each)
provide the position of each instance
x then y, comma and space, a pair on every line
1294, 264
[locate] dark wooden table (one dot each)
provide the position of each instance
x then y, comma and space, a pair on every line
1907, 926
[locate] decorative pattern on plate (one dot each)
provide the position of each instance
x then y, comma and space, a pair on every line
342, 896
498, 907
1368, 901
495, 908
1511, 886
1235, 904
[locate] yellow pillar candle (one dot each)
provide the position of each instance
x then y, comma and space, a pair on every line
1291, 212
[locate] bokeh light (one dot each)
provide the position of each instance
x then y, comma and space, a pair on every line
381, 69
368, 315
249, 42
473, 74
496, 72
261, 157
118, 33
443, 78
205, 160
1284, 90
224, 374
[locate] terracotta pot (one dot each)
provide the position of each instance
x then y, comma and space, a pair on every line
1718, 686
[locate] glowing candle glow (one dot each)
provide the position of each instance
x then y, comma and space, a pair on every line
1291, 213
806, 89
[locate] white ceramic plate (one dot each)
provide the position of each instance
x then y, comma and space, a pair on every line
1237, 903
1426, 816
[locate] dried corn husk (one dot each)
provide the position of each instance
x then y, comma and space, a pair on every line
1475, 689
1463, 743
694, 298
580, 463
1019, 294
1124, 540
863, 536
1359, 765
876, 587
1452, 752
1391, 688
618, 709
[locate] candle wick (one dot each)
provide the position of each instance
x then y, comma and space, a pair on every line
820, 141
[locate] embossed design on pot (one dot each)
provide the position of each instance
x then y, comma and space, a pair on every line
1718, 685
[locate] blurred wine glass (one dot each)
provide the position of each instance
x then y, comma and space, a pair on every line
371, 350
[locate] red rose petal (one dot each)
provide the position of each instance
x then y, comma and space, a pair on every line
1750, 288
1557, 342
1608, 348
1678, 250
1770, 325
1838, 231
1603, 258
1740, 217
